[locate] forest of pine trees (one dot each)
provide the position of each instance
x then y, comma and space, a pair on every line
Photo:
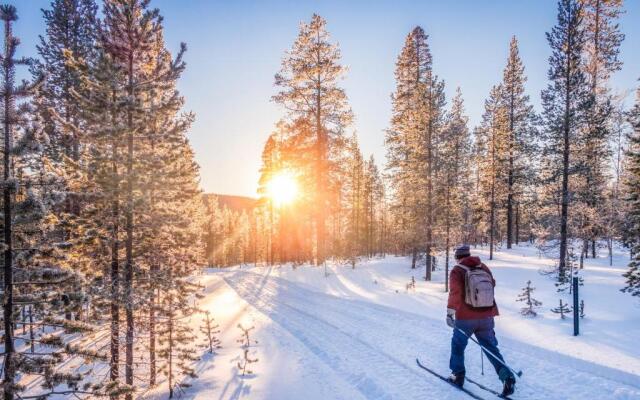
103, 216
104, 221
562, 176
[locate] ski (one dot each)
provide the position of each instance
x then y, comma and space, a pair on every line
488, 389
462, 389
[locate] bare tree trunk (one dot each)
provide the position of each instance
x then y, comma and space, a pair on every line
115, 275
152, 337
564, 213
517, 235
128, 277
510, 181
31, 335
9, 350
170, 350
414, 258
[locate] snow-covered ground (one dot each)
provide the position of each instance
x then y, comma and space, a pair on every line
355, 333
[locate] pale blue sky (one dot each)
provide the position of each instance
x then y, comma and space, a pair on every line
235, 48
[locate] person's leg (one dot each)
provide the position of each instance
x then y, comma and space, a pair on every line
458, 344
487, 338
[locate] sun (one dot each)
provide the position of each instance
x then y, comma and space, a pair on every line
282, 188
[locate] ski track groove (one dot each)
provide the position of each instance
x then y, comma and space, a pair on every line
335, 347
335, 329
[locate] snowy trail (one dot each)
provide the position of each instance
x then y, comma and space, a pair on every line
373, 347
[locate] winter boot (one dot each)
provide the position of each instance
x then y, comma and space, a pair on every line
509, 386
456, 379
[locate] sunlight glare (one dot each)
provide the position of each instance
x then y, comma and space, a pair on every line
283, 188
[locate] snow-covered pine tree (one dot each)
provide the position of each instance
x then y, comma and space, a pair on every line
373, 208
492, 156
33, 273
521, 135
245, 344
211, 330
132, 36
270, 161
309, 90
355, 195
615, 219
564, 103
71, 26
412, 142
169, 230
243, 365
456, 171
632, 191
97, 234
175, 335
562, 309
139, 154
526, 297
28, 143
170, 240
602, 45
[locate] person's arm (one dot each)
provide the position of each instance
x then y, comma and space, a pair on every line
455, 289
455, 293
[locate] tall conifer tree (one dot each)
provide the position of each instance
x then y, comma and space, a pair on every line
412, 142
520, 143
632, 189
309, 89
602, 45
564, 103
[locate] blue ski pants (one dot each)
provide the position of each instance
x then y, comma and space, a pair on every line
486, 336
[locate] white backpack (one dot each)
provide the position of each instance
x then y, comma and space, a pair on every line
478, 287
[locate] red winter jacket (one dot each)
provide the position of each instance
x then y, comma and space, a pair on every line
456, 291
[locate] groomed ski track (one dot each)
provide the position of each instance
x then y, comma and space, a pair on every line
372, 348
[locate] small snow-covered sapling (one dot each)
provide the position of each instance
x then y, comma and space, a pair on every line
581, 308
244, 363
210, 330
245, 340
532, 304
245, 343
562, 309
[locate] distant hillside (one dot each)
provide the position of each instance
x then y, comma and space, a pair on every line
235, 203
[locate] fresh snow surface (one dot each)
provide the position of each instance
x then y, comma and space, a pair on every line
355, 333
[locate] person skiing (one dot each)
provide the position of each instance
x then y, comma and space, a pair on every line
471, 309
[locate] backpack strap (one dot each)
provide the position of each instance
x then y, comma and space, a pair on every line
464, 267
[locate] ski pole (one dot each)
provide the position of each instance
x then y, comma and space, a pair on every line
518, 373
482, 361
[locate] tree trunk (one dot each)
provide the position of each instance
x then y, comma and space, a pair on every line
9, 350
414, 258
448, 242
564, 212
512, 139
115, 275
517, 235
320, 168
31, 334
170, 350
128, 278
152, 337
